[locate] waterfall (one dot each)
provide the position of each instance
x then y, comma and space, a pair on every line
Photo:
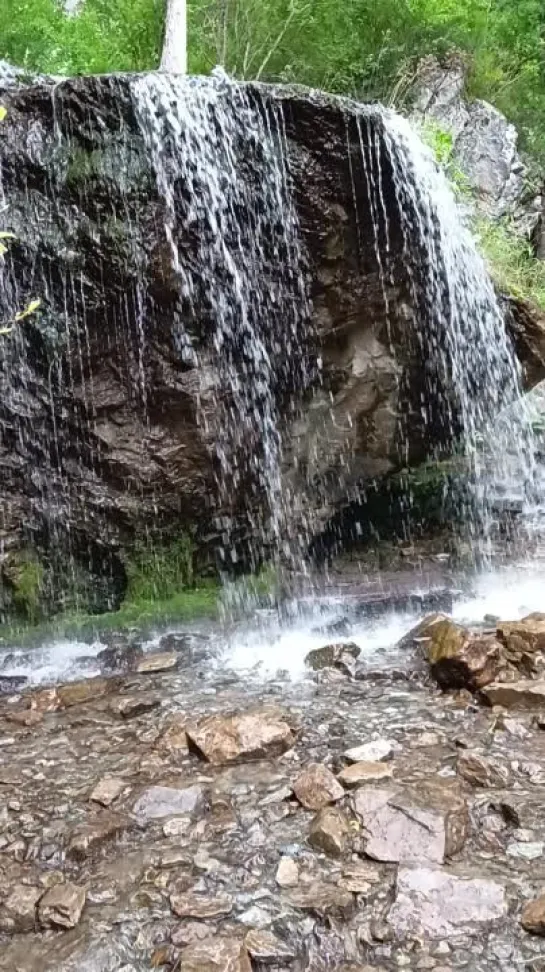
471, 370
219, 159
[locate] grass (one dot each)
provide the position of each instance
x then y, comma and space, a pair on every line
511, 261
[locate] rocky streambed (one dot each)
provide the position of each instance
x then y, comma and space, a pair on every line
169, 813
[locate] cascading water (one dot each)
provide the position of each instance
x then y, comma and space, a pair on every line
470, 364
219, 158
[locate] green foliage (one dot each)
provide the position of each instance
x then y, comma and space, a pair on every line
511, 260
160, 572
26, 575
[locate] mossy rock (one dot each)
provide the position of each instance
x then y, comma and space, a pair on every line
24, 574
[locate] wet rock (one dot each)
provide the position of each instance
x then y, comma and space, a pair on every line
375, 751
532, 918
87, 839
119, 656
107, 790
341, 656
266, 948
200, 906
166, 801
457, 658
426, 825
215, 955
521, 638
482, 772
524, 694
77, 693
323, 900
46, 700
251, 735
61, 906
287, 873
18, 913
364, 772
316, 787
441, 904
329, 832
133, 706
160, 661
12, 683
24, 717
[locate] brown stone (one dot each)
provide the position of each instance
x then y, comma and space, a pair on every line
159, 661
215, 955
24, 717
316, 787
482, 772
532, 918
323, 900
45, 700
265, 947
200, 905
364, 772
359, 878
457, 658
250, 735
107, 790
425, 824
329, 832
174, 738
524, 694
523, 637
133, 706
18, 913
77, 693
62, 905
87, 839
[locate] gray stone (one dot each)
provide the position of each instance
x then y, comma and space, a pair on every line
166, 801
440, 904
18, 913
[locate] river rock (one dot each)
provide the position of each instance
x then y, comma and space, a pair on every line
340, 656
482, 772
18, 913
440, 904
329, 832
364, 772
425, 825
107, 790
457, 657
251, 735
316, 787
88, 838
287, 874
77, 693
524, 694
215, 955
62, 905
532, 918
133, 706
371, 752
200, 906
523, 638
159, 661
266, 948
166, 801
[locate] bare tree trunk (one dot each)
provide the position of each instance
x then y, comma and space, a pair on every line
174, 56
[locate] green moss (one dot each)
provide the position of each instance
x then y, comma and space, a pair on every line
25, 576
512, 263
160, 572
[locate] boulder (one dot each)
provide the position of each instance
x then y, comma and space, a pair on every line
440, 904
251, 735
524, 694
341, 656
424, 825
457, 657
523, 641
532, 918
62, 905
316, 787
329, 832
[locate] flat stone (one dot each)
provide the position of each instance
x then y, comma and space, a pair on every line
18, 913
524, 694
166, 801
251, 735
77, 693
265, 947
89, 838
526, 636
215, 955
61, 906
482, 772
341, 656
329, 831
316, 787
423, 825
107, 790
159, 661
364, 772
322, 899
133, 706
359, 878
375, 751
532, 918
439, 904
200, 906
287, 873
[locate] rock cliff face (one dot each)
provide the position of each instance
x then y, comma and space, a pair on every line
106, 426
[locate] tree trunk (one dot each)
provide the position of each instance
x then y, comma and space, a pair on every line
174, 56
